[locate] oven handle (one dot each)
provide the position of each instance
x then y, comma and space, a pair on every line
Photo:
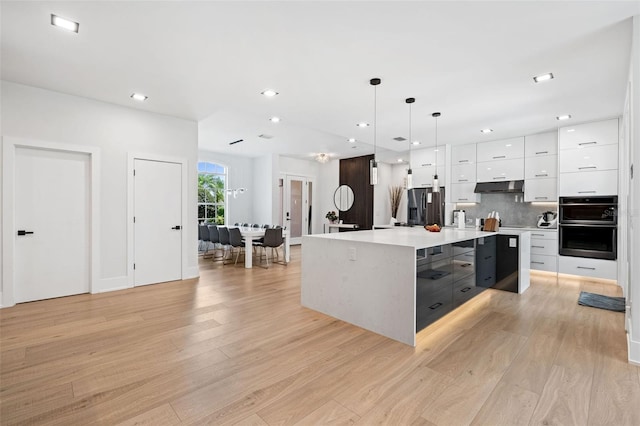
589, 225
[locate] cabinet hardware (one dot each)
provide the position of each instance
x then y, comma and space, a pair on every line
584, 267
541, 198
427, 164
588, 143
463, 180
466, 289
499, 156
435, 305
542, 152
543, 175
587, 192
537, 246
488, 278
538, 235
499, 177
23, 232
177, 227
587, 167
465, 265
487, 257
537, 263
463, 199
463, 161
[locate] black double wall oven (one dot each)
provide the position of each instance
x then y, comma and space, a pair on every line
588, 227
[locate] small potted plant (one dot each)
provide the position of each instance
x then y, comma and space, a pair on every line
332, 216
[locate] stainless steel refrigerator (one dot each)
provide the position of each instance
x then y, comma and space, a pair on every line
425, 206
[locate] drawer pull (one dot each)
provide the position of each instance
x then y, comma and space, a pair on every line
542, 152
542, 175
584, 267
587, 192
587, 167
465, 265
537, 263
462, 199
487, 257
435, 305
588, 143
466, 289
537, 246
463, 180
488, 278
499, 177
499, 156
538, 235
541, 198
427, 164
463, 161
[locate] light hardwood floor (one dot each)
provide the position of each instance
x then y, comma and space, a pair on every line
236, 347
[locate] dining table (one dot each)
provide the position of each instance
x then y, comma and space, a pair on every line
250, 234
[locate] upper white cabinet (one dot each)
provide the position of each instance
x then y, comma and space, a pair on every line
540, 190
541, 144
464, 193
499, 170
423, 176
426, 157
590, 159
463, 173
589, 183
504, 149
463, 154
589, 134
541, 167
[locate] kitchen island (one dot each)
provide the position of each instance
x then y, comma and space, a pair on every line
371, 278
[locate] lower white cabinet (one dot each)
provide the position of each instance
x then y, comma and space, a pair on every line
544, 250
595, 268
589, 183
542, 190
463, 193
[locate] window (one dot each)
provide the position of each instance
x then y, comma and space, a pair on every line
212, 180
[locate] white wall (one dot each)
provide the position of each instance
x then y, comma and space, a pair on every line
633, 215
32, 113
328, 180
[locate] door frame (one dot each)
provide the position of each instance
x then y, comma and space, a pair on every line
9, 146
287, 196
186, 226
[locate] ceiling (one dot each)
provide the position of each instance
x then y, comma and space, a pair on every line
209, 61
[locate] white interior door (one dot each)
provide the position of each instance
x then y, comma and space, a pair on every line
297, 212
157, 222
52, 198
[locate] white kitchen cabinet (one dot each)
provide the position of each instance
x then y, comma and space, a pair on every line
595, 268
463, 193
541, 167
589, 159
463, 154
541, 144
463, 173
423, 176
544, 246
541, 190
588, 183
426, 157
589, 134
500, 170
543, 262
544, 250
504, 149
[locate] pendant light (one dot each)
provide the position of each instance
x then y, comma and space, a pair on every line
436, 186
410, 172
373, 172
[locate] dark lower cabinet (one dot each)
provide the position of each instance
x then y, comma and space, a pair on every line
486, 261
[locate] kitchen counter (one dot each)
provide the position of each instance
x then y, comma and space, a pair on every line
368, 278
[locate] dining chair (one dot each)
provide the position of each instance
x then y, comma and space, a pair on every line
214, 238
235, 242
266, 226
203, 236
246, 225
272, 240
255, 225
223, 233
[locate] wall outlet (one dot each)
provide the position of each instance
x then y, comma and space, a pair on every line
352, 253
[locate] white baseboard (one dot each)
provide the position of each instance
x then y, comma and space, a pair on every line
112, 284
191, 272
633, 348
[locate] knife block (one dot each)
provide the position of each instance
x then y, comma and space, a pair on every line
491, 224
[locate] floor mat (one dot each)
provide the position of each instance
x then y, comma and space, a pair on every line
602, 302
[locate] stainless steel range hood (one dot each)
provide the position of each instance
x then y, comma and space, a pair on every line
511, 186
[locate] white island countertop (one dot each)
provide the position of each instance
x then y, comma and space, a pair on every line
403, 236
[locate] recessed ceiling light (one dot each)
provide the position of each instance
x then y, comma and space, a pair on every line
415, 142
563, 117
64, 23
543, 77
363, 124
269, 93
351, 140
275, 119
139, 97
486, 130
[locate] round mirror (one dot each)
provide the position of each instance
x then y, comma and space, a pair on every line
343, 198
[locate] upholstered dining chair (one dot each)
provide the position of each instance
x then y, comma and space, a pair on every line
235, 242
203, 236
223, 233
272, 240
214, 237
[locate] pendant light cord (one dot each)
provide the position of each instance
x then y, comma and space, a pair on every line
375, 119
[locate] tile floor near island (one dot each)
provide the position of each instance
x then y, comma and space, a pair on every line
236, 347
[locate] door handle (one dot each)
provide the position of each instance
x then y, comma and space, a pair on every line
23, 232
177, 227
